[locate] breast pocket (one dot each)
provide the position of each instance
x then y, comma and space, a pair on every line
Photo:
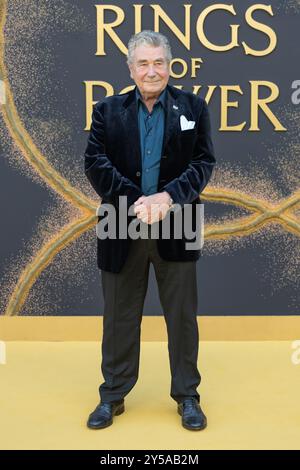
187, 141
188, 132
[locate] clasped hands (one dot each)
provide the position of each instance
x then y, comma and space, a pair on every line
152, 208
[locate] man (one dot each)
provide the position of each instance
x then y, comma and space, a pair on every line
152, 145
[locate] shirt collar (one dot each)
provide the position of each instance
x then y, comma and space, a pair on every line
161, 98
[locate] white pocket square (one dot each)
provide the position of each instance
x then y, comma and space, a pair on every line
185, 124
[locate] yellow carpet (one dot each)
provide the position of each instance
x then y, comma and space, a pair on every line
249, 392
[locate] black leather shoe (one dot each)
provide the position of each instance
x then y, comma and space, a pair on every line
103, 414
193, 417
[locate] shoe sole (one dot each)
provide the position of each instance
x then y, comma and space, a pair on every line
192, 428
117, 412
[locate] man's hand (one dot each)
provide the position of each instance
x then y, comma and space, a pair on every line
152, 208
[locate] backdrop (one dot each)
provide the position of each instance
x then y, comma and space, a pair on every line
59, 57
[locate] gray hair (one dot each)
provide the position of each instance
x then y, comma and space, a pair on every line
148, 38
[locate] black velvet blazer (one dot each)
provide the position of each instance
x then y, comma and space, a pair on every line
113, 165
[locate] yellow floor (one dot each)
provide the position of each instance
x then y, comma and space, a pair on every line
249, 391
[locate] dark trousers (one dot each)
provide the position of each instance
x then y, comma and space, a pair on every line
124, 295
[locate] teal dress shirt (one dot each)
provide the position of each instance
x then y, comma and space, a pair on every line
151, 129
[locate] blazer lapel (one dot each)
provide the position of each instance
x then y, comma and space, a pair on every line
130, 122
171, 117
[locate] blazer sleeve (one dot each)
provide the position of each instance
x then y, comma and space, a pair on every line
107, 181
186, 188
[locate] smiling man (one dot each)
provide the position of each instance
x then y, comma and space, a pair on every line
152, 145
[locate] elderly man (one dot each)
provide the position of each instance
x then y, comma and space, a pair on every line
152, 145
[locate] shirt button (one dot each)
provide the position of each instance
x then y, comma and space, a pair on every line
147, 170
138, 173
148, 151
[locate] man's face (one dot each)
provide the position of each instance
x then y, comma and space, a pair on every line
150, 70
